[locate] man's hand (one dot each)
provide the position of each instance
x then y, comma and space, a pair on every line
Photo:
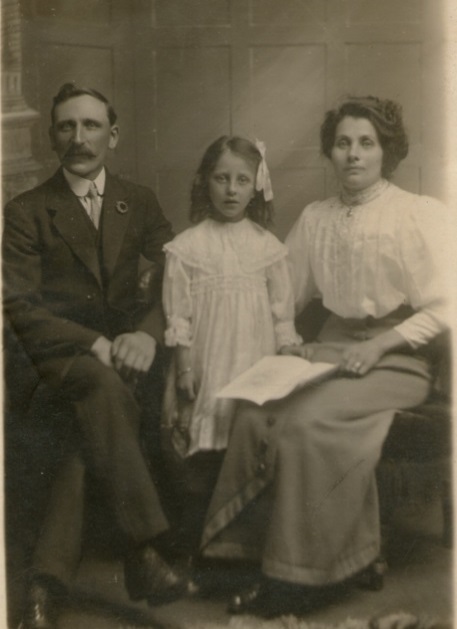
102, 350
133, 353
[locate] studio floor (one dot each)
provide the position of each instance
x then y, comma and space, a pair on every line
419, 581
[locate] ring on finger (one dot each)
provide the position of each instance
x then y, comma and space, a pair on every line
357, 365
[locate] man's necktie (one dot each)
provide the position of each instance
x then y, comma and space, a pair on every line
95, 206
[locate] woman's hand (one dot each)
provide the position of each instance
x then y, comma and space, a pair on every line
304, 351
185, 383
359, 358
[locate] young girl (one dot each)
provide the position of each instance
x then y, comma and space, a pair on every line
227, 297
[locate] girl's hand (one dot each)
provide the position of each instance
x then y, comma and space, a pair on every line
304, 351
359, 358
185, 384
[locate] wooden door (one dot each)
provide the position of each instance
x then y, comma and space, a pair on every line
270, 69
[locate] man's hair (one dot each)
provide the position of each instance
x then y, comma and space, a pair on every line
71, 90
385, 116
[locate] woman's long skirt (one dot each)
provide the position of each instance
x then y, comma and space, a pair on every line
297, 490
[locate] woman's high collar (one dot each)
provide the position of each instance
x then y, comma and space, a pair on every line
358, 197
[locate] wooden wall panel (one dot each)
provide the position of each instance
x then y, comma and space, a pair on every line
190, 13
293, 190
193, 98
173, 189
287, 95
383, 13
287, 11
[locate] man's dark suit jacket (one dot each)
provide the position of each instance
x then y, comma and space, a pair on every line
64, 283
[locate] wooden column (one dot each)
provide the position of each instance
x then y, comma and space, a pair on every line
19, 168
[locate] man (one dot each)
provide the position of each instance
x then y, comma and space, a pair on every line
71, 262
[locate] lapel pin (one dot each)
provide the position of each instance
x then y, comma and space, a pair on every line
122, 207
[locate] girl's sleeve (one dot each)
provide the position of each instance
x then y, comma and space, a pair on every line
428, 264
282, 304
177, 302
297, 242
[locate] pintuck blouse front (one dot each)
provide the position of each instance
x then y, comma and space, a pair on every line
372, 258
228, 297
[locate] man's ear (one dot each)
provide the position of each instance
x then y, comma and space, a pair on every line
114, 136
52, 139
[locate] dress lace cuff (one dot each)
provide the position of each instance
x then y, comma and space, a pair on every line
286, 334
177, 332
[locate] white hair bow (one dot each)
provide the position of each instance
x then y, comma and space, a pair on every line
263, 181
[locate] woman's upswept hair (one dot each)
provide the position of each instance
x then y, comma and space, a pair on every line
258, 210
386, 118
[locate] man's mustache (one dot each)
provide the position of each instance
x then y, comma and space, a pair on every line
77, 151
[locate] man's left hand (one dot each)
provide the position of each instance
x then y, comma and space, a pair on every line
133, 353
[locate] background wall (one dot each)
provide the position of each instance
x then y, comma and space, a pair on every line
182, 72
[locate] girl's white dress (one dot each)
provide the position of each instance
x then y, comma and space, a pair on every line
228, 297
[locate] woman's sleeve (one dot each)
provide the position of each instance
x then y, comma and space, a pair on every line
282, 304
297, 242
428, 264
177, 302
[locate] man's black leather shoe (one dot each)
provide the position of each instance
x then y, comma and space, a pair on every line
148, 575
41, 608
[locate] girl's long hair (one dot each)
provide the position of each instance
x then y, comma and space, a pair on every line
258, 210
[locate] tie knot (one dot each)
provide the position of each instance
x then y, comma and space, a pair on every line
92, 192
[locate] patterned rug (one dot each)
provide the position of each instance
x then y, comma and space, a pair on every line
399, 620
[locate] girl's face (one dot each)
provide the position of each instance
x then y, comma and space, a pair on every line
231, 186
356, 153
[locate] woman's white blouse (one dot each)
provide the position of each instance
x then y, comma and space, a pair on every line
372, 258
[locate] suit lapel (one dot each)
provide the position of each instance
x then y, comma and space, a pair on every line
117, 210
68, 218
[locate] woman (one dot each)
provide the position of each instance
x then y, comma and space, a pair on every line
297, 489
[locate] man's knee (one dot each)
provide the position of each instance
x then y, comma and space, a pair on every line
88, 377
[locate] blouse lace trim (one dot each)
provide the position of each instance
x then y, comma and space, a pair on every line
359, 197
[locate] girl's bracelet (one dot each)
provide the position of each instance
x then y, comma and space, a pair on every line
183, 371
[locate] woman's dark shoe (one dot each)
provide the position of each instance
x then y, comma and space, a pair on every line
41, 607
372, 578
270, 597
248, 601
148, 575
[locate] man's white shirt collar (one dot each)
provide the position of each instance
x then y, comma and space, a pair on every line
80, 185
